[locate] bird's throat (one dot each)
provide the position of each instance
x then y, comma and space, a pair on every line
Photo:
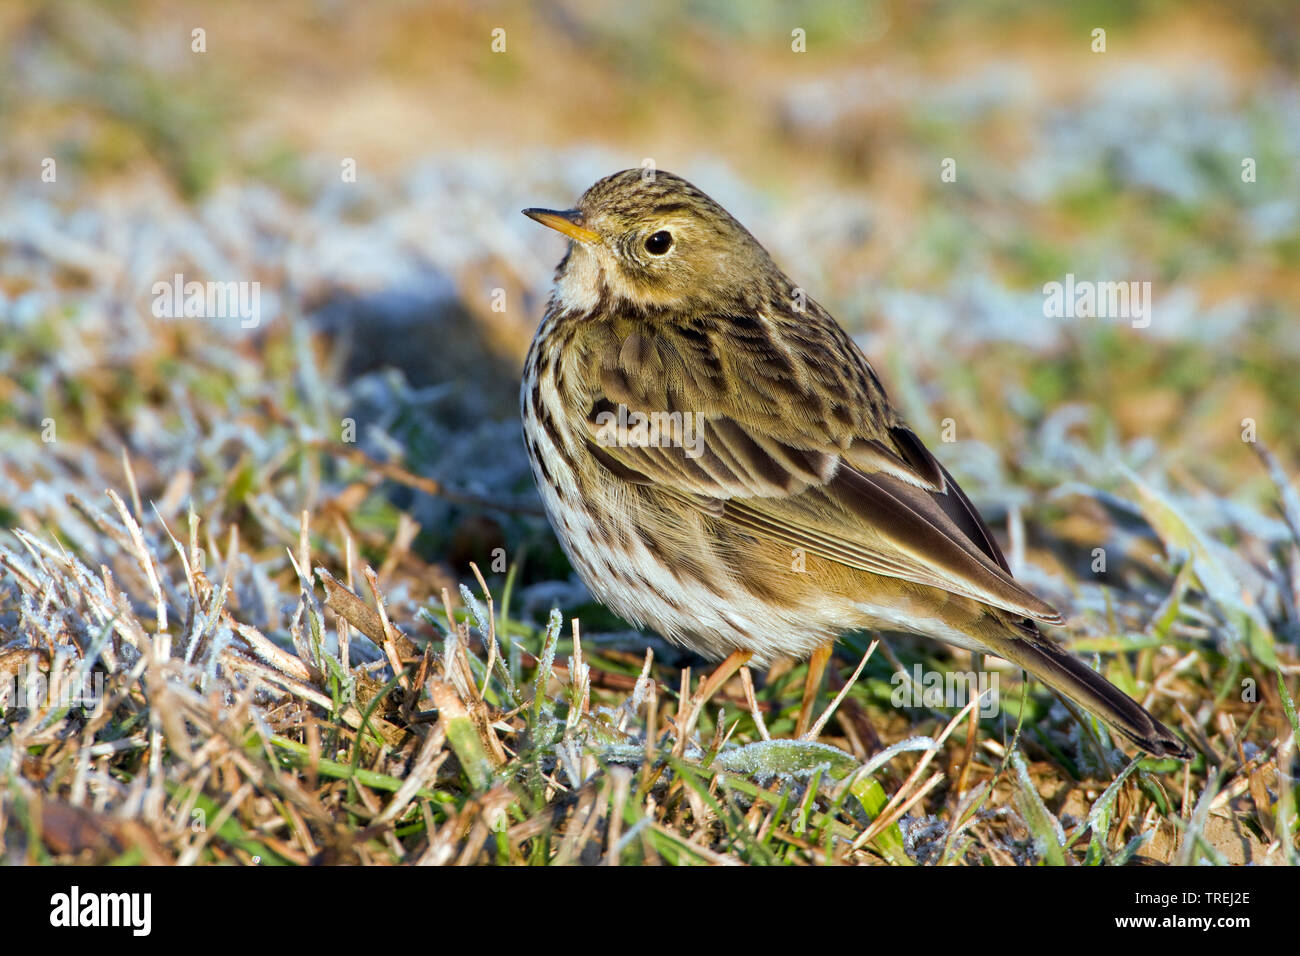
578, 283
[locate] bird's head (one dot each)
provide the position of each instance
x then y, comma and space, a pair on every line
656, 242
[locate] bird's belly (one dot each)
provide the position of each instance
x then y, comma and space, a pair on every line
662, 569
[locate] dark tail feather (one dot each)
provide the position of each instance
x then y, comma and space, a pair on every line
1071, 678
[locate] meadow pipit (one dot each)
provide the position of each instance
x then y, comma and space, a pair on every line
722, 464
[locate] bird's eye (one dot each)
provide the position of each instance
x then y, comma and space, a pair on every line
659, 243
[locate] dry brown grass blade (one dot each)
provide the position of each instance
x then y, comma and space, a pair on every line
144, 556
751, 701
346, 604
815, 730
265, 650
811, 685
689, 715
390, 634
491, 637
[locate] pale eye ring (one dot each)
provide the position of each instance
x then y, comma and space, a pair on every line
657, 244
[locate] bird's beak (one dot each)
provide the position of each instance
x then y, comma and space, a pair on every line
568, 222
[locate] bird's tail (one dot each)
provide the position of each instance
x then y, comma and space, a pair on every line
1071, 678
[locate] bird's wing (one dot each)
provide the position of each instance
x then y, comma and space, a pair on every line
810, 456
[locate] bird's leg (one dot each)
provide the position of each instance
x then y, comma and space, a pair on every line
708, 687
972, 732
811, 685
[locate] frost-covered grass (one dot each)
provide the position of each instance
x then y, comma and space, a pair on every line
326, 622
441, 729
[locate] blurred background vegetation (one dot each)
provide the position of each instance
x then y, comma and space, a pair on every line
226, 164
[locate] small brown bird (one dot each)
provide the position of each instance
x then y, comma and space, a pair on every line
721, 463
